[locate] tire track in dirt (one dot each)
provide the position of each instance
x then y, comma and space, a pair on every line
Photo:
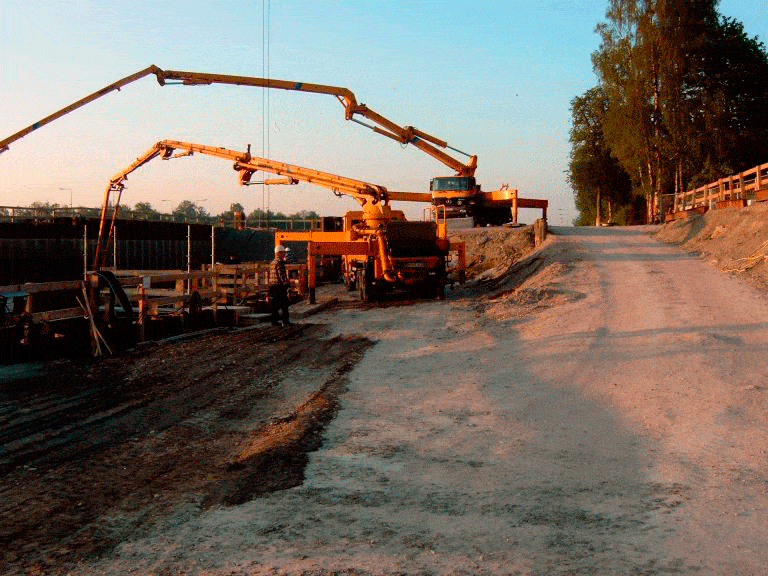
97, 452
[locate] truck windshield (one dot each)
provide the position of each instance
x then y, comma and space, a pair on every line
452, 183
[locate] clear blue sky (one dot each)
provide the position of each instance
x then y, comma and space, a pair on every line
493, 79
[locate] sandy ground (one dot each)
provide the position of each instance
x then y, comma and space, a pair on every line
595, 408
734, 240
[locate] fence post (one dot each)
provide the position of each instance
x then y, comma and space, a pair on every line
311, 271
141, 295
85, 250
114, 248
189, 255
215, 286
213, 244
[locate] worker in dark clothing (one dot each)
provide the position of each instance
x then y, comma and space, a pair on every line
278, 287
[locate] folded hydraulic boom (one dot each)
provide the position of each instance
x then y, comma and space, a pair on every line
374, 240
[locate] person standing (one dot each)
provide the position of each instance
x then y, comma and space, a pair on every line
278, 287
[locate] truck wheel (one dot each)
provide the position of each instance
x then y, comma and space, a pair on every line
365, 289
365, 281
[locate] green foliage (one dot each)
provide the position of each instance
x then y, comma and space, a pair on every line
228, 217
41, 210
733, 95
686, 94
89, 212
304, 215
596, 176
144, 211
188, 211
259, 217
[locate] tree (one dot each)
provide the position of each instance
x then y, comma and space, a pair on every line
686, 92
40, 210
188, 211
595, 174
260, 218
732, 94
304, 215
144, 211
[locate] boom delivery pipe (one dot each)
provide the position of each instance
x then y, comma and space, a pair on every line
373, 199
403, 134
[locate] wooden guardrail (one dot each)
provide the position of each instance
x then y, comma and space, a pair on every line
23, 298
734, 190
150, 291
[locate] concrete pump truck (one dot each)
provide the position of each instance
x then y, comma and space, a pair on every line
380, 249
457, 196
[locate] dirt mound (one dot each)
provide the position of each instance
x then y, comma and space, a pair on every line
734, 240
510, 276
92, 452
533, 283
490, 251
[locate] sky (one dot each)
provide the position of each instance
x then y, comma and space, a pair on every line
492, 78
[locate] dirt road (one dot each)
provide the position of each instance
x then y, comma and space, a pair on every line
598, 408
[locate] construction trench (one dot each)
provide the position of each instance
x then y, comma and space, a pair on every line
228, 414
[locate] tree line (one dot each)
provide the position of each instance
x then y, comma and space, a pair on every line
185, 211
680, 101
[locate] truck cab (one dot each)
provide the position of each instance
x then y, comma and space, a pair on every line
458, 194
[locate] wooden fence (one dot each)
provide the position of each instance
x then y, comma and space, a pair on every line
150, 293
735, 190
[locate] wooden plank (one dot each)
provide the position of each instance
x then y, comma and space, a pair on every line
181, 298
133, 277
167, 296
242, 292
37, 287
735, 203
63, 314
532, 203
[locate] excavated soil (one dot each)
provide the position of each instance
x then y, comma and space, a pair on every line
490, 251
97, 452
94, 452
733, 239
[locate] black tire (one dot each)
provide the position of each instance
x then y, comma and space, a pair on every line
365, 281
365, 288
